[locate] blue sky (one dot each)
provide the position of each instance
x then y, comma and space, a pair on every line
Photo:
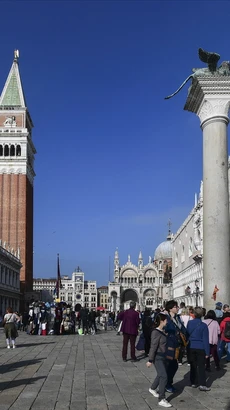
114, 160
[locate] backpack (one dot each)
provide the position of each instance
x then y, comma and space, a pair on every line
227, 330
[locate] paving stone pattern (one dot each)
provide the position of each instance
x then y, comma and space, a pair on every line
72, 372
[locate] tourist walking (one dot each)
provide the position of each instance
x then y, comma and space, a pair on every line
10, 327
173, 329
214, 332
219, 312
157, 357
225, 336
130, 324
147, 327
199, 350
185, 318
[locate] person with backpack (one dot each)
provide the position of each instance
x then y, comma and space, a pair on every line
225, 336
157, 356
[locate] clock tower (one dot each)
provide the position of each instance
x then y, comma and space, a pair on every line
17, 174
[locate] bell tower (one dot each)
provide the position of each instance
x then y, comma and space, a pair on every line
17, 173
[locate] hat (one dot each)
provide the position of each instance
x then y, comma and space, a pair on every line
219, 304
225, 306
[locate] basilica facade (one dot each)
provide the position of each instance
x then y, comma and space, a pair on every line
149, 285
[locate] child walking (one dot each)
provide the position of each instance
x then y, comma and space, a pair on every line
157, 357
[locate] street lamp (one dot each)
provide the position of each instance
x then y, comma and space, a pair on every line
197, 290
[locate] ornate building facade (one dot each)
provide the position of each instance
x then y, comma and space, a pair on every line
10, 266
17, 173
103, 297
187, 257
75, 290
148, 285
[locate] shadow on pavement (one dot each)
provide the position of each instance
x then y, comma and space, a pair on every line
33, 344
15, 383
227, 406
210, 378
4, 368
215, 374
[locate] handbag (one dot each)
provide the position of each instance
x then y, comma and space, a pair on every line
183, 339
141, 342
172, 350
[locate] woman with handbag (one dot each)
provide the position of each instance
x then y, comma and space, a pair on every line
10, 328
173, 329
157, 356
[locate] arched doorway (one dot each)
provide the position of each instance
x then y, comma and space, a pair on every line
129, 295
150, 299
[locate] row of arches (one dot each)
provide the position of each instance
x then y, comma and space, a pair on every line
10, 150
128, 280
133, 273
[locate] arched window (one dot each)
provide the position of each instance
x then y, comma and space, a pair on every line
176, 259
12, 150
190, 251
6, 151
18, 151
1, 151
182, 254
160, 265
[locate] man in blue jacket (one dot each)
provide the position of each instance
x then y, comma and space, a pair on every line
199, 350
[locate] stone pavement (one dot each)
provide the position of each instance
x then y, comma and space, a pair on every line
72, 372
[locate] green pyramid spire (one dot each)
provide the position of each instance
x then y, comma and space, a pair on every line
12, 94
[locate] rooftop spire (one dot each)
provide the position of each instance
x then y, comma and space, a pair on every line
140, 256
12, 94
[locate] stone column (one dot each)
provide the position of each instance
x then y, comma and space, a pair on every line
209, 98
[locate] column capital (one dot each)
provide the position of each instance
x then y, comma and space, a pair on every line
209, 97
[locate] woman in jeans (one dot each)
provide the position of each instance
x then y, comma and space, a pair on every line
214, 331
199, 350
173, 328
157, 356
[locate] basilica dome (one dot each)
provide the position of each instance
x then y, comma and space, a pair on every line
164, 250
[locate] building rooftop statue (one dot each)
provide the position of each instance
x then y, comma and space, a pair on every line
211, 59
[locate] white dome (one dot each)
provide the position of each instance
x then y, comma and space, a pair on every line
163, 251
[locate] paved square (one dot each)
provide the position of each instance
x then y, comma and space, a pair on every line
72, 372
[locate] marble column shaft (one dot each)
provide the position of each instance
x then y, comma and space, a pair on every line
209, 98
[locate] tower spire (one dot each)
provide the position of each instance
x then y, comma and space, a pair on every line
12, 94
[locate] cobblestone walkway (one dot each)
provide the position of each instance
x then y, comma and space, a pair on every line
86, 372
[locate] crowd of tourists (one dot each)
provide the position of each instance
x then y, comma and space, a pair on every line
169, 337
174, 333
56, 319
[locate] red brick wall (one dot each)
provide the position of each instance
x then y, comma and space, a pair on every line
16, 221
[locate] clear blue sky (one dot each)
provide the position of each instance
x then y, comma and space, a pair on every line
114, 159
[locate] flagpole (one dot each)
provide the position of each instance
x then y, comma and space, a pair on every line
58, 276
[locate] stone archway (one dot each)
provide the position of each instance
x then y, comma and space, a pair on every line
150, 298
129, 295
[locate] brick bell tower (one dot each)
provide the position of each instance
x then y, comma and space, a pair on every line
17, 173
